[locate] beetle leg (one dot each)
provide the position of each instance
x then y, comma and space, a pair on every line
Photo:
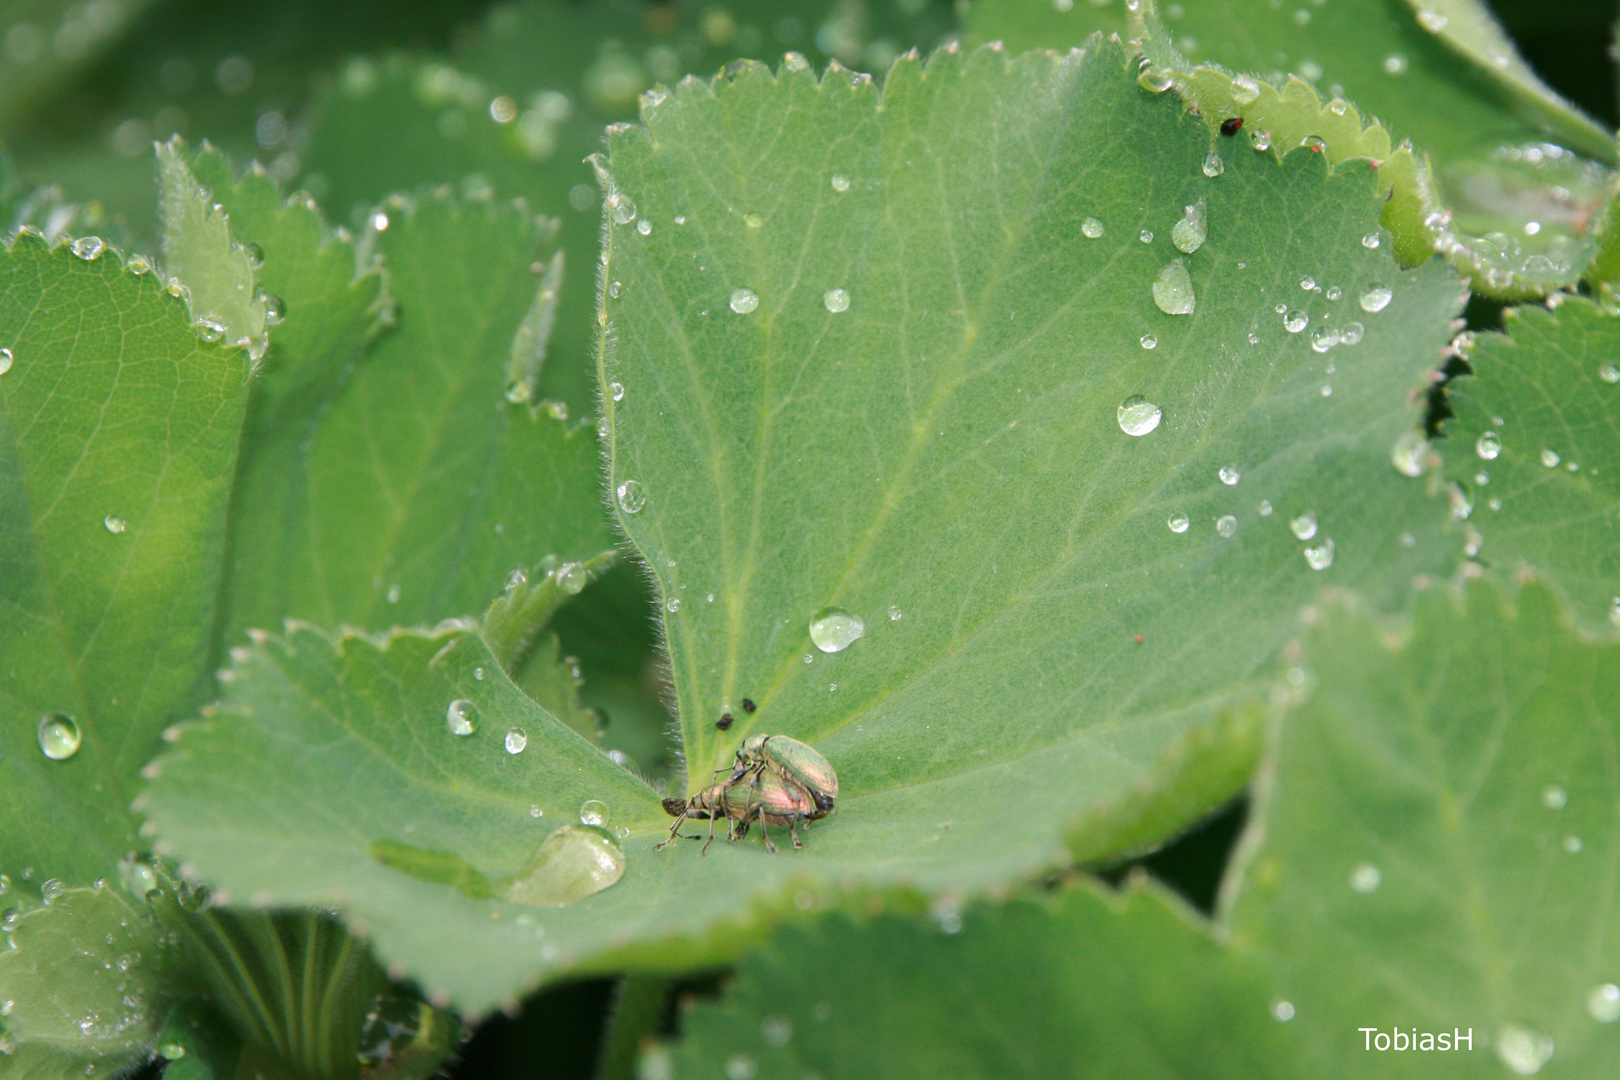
706, 843
673, 833
793, 831
764, 832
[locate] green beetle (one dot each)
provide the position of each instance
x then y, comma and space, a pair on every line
793, 761
762, 797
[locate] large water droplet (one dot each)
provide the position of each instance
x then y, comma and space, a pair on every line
516, 740
1550, 458
1191, 231
1173, 290
836, 300
1320, 558
834, 630
460, 717
1603, 1003
1522, 1050
1091, 228
1138, 415
1304, 526
571, 864
1179, 522
632, 497
1488, 446
114, 524
743, 301
1366, 878
1323, 338
1226, 525
1229, 475
1376, 298
5, 361
59, 736
593, 812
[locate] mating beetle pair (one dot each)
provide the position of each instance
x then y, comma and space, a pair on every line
775, 780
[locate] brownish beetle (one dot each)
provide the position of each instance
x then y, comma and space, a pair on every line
760, 796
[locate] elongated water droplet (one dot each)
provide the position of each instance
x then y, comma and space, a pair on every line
1522, 1050
1229, 475
5, 361
1550, 458
460, 717
1366, 878
1173, 289
1376, 298
1488, 446
1091, 228
1410, 453
834, 630
59, 736
516, 740
573, 862
1138, 416
1226, 525
1304, 526
1179, 522
1320, 558
743, 301
631, 497
836, 300
1603, 1003
114, 524
594, 812
1192, 230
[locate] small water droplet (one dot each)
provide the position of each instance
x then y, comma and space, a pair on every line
1148, 341
1295, 321
753, 221
1550, 458
741, 1067
644, 227
114, 524
535, 811
1572, 844
516, 740
1282, 1011
836, 300
1554, 797
1304, 526
1260, 140
1308, 283
1213, 165
275, 310
1173, 289
616, 391
1138, 416
1265, 507
840, 182
1522, 1050
210, 328
1229, 475
1366, 878
1323, 338
1433, 21
1155, 79
895, 614
1179, 522
89, 247
460, 717
631, 497
1488, 446
1603, 1003
1091, 228
5, 361
1192, 230
1320, 558
1409, 453
1226, 525
1371, 240
672, 605
59, 736
1146, 236
1244, 89
1394, 64
1376, 298
776, 1030
9, 919
593, 812
834, 630
392, 595
1352, 333
51, 890
1609, 372
744, 301
571, 578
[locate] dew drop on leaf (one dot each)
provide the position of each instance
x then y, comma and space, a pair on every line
1092, 229
1352, 333
1371, 240
616, 391
571, 578
114, 524
1522, 1050
1488, 446
516, 740
1550, 458
1282, 1011
1366, 878
1554, 797
840, 182
1173, 289
275, 310
59, 736
1149, 341
1376, 298
459, 717
1213, 165
1229, 475
571, 864
744, 301
593, 812
1192, 230
1138, 416
672, 605
1603, 1003
1146, 236
834, 630
1179, 522
632, 497
1295, 321
644, 227
836, 300
1320, 558
1304, 526
5, 361
1408, 453
89, 247
1394, 64
1226, 525
1609, 372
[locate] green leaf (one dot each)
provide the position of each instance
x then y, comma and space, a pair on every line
38, 1061
84, 976
47, 41
118, 436
221, 287
1535, 443
997, 992
1435, 838
417, 487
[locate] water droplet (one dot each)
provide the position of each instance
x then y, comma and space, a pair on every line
1366, 878
616, 391
571, 578
631, 497
1550, 458
59, 736
114, 524
1394, 64
51, 890
1371, 240
1282, 1011
1376, 298
1260, 140
1334, 292
1091, 228
210, 328
1572, 844
895, 614
460, 717
392, 595
571, 864
1148, 341
1320, 558
1522, 1050
1179, 522
1323, 339
834, 630
593, 812
1155, 79
836, 300
1554, 797
776, 1030
1304, 526
9, 919
1173, 289
1488, 446
644, 227
1229, 475
753, 221
1603, 1003
672, 605
1609, 373
1265, 508
1226, 525
1213, 165
741, 1067
1295, 321
1432, 21
1352, 334
535, 811
1307, 283
743, 301
1138, 416
516, 740
1244, 90
89, 247
275, 310
840, 182
1192, 230
1409, 453
5, 361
